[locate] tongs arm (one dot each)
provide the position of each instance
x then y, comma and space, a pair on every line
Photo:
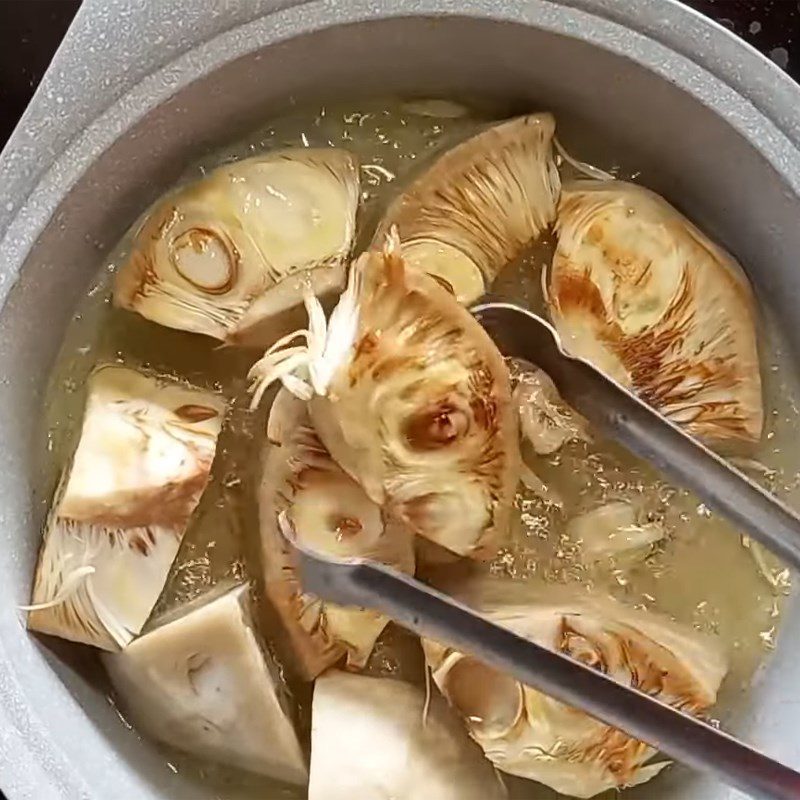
625, 418
430, 613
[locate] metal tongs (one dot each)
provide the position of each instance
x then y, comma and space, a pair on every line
621, 415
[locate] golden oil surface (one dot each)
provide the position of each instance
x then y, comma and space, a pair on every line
700, 574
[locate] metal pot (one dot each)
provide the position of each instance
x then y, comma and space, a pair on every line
138, 89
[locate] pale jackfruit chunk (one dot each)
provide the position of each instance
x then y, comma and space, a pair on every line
305, 493
479, 205
202, 682
645, 296
613, 529
545, 420
412, 398
371, 739
526, 733
142, 462
228, 255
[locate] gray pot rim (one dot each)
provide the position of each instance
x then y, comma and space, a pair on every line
42, 162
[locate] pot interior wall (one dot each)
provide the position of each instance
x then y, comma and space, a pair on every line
683, 149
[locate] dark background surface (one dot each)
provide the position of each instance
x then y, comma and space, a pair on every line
30, 31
